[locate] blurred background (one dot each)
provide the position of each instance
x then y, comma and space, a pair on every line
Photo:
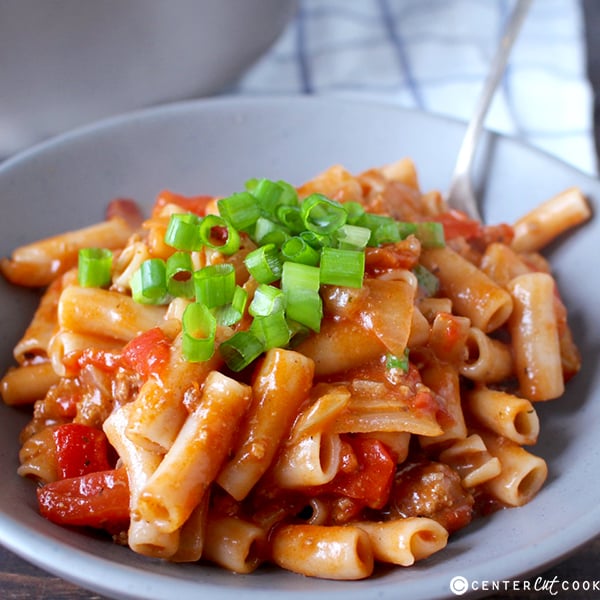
64, 63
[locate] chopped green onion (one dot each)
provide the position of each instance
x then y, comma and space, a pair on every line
241, 210
298, 250
95, 265
290, 217
289, 195
214, 285
406, 228
230, 314
384, 229
316, 240
267, 194
149, 282
431, 234
267, 300
215, 232
199, 327
241, 349
321, 214
426, 280
182, 232
269, 232
179, 274
264, 263
272, 330
342, 267
352, 237
393, 361
355, 211
300, 285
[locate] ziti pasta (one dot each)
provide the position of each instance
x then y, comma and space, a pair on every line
323, 378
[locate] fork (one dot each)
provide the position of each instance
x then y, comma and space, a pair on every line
461, 195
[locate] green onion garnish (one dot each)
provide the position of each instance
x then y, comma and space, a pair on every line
269, 232
230, 314
297, 250
267, 194
199, 327
214, 285
355, 211
272, 330
431, 234
264, 263
241, 349
352, 237
300, 285
267, 300
426, 280
393, 361
290, 217
342, 267
406, 228
179, 274
241, 210
183, 233
215, 232
95, 266
149, 282
321, 214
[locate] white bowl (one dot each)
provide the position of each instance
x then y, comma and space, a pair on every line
214, 147
64, 63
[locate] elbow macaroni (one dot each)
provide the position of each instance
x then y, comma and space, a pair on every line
300, 460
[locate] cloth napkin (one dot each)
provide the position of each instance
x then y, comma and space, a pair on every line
434, 55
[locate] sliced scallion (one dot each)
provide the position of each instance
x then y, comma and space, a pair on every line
393, 361
241, 349
179, 274
272, 330
267, 300
298, 250
149, 282
300, 285
230, 314
352, 237
342, 267
198, 332
321, 214
94, 267
215, 232
241, 210
431, 234
264, 263
182, 232
214, 285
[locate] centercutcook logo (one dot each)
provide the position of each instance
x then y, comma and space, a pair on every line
460, 585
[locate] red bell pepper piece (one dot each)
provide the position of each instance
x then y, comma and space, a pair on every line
99, 500
80, 449
147, 353
370, 481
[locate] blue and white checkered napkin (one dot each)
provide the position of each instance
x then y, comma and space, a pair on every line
434, 55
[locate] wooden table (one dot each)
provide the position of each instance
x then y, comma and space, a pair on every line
20, 580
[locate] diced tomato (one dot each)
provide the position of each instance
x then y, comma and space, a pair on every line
80, 449
147, 353
370, 477
195, 204
99, 500
457, 224
102, 359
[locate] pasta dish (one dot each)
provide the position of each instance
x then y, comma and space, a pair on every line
323, 378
